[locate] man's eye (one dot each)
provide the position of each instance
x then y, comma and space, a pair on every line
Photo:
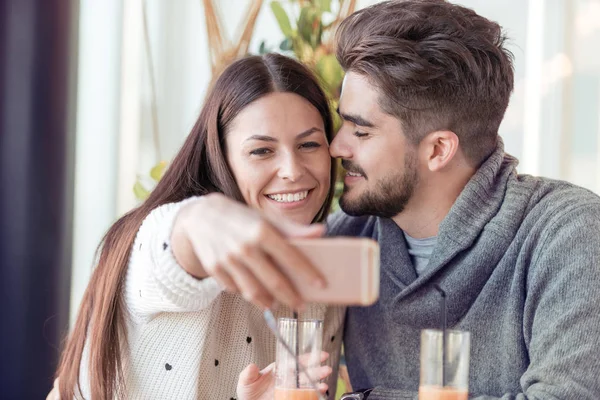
261, 152
360, 134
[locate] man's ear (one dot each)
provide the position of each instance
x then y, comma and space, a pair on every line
439, 149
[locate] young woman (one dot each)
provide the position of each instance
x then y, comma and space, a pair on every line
155, 320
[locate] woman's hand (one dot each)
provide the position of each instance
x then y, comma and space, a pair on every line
254, 384
222, 238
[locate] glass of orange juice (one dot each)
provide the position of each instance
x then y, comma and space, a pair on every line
297, 359
444, 368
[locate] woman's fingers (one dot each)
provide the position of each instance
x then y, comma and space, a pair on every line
323, 372
249, 286
224, 279
256, 385
289, 258
323, 387
271, 277
248, 253
249, 375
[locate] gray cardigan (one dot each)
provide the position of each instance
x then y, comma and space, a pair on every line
519, 258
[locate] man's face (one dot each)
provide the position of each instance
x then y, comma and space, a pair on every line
381, 163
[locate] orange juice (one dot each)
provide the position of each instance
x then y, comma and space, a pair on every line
295, 394
441, 393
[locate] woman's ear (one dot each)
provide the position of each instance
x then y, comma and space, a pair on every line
439, 148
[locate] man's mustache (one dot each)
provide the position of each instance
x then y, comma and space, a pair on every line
352, 167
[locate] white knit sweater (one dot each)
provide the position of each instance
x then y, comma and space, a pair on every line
187, 338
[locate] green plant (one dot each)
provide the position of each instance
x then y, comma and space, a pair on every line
308, 37
144, 185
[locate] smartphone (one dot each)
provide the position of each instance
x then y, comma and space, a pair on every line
350, 267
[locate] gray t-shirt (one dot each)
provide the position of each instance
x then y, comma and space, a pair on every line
420, 251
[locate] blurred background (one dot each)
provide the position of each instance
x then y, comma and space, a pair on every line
97, 96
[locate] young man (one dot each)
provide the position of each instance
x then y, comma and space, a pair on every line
427, 84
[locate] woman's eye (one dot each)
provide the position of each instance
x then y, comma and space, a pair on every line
261, 152
310, 145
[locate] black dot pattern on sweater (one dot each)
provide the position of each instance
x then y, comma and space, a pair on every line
248, 340
165, 245
168, 367
216, 363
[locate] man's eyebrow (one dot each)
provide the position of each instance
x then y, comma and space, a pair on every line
356, 119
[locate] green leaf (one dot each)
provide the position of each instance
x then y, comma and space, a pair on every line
158, 170
331, 73
341, 388
286, 45
282, 19
324, 5
140, 191
335, 206
337, 120
305, 23
309, 25
303, 50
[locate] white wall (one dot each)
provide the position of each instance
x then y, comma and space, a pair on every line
97, 134
583, 129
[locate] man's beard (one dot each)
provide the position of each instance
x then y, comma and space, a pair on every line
390, 195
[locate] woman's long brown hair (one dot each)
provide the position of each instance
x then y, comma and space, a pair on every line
199, 168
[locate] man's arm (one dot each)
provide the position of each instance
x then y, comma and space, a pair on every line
561, 314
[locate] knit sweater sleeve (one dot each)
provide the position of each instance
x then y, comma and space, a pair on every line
155, 282
561, 314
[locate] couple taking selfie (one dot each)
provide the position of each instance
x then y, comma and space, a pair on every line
174, 309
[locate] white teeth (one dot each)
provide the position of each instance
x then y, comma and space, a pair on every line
353, 174
289, 197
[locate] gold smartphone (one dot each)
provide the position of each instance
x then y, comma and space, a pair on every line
350, 267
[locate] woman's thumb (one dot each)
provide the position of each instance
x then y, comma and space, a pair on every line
249, 375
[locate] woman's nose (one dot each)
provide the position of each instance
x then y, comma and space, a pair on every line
291, 168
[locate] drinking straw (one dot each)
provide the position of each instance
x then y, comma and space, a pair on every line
444, 320
297, 349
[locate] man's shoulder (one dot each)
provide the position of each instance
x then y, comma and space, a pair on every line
560, 197
554, 203
342, 224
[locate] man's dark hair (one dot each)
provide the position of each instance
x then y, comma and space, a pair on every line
438, 65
